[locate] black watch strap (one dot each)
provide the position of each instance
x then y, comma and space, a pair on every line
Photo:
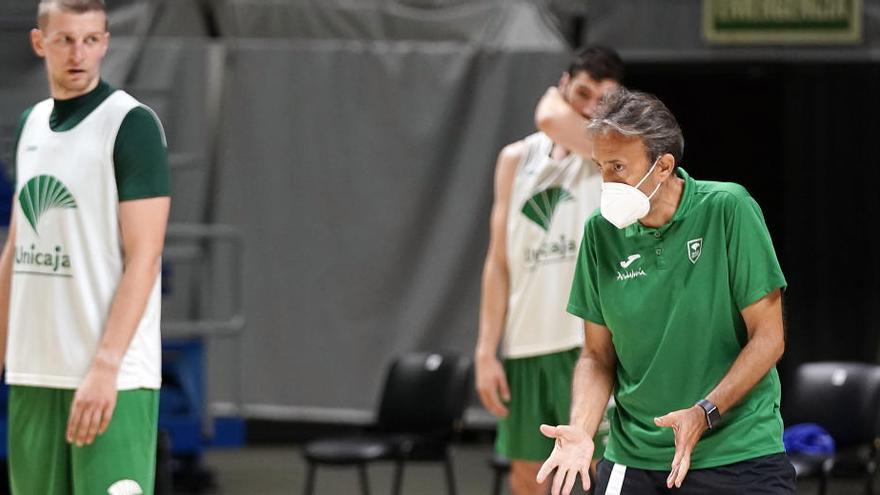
713, 417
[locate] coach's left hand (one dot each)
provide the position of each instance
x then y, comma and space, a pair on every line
92, 407
687, 426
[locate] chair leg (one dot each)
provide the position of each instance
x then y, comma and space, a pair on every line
365, 481
869, 477
309, 487
496, 485
450, 473
398, 478
825, 475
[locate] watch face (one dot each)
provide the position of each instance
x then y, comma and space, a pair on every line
713, 417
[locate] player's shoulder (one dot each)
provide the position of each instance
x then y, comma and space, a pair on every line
130, 107
724, 193
141, 115
517, 151
25, 114
141, 122
43, 106
508, 161
513, 152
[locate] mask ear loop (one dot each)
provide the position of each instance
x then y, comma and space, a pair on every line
646, 177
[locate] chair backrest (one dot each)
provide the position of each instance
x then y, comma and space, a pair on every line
842, 397
425, 393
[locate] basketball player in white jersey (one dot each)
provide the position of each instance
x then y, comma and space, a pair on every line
79, 274
543, 195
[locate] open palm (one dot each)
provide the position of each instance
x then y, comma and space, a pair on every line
571, 455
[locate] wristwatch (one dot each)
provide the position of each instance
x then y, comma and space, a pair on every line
713, 417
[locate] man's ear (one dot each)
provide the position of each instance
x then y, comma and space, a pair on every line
666, 164
563, 81
37, 42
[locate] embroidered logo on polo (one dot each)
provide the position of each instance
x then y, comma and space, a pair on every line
636, 272
541, 207
629, 260
41, 194
695, 249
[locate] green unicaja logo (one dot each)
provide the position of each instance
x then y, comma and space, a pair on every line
41, 194
540, 207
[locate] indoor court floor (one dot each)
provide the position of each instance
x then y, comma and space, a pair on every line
280, 470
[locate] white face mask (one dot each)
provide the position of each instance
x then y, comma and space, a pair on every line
624, 205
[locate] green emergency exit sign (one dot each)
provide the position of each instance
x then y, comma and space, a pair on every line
782, 21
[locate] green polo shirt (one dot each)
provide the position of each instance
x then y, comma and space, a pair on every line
672, 297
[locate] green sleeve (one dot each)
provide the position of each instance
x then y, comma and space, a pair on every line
583, 301
21, 121
140, 159
752, 264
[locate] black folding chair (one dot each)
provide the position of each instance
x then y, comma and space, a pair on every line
422, 405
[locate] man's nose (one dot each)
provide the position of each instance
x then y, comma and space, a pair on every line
77, 52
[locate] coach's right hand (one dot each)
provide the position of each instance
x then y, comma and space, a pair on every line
571, 455
492, 385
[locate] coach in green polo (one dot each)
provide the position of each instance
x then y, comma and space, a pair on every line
679, 288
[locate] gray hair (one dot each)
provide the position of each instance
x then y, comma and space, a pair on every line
78, 6
643, 115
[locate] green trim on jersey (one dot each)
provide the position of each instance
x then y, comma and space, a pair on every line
671, 298
21, 121
140, 160
66, 114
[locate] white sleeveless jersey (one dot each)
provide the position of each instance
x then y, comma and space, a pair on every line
550, 201
68, 254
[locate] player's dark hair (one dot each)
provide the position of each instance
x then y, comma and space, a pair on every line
600, 62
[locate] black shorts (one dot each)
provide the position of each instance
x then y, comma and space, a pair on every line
768, 475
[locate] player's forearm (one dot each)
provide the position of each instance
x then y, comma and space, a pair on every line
126, 310
555, 118
493, 307
757, 358
591, 387
5, 291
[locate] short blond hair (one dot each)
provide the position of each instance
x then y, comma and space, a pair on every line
78, 6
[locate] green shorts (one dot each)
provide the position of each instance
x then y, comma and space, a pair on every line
120, 461
540, 392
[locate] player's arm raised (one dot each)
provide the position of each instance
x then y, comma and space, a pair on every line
566, 127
